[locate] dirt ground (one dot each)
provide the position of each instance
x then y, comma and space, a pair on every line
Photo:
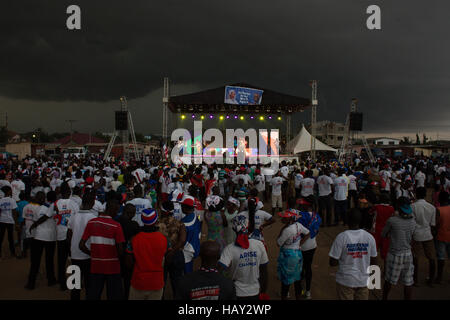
13, 275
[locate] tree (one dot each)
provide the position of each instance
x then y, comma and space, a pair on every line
405, 140
417, 139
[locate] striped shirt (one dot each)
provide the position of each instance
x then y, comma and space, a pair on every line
103, 233
401, 231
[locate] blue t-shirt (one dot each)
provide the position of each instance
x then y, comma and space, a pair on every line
20, 205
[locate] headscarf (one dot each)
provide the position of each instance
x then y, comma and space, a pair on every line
240, 226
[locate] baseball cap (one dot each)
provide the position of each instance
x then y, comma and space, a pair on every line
188, 201
303, 201
149, 216
234, 201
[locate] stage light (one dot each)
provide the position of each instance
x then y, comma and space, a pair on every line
228, 117
242, 117
279, 118
252, 117
202, 117
183, 116
211, 116
235, 117
221, 117
270, 117
261, 118
193, 116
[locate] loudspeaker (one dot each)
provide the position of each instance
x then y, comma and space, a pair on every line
121, 120
356, 119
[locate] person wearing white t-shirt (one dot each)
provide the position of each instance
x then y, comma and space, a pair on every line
425, 216
3, 183
297, 179
352, 189
340, 198
44, 238
260, 183
353, 251
76, 227
17, 186
65, 210
140, 204
8, 217
307, 185
292, 236
325, 184
277, 199
420, 179
258, 219
247, 261
30, 216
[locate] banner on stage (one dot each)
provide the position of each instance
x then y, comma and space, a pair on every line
243, 96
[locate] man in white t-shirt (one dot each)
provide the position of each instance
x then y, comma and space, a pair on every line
425, 216
353, 251
277, 199
247, 261
420, 178
44, 238
17, 186
307, 185
340, 198
8, 217
325, 184
76, 227
140, 204
297, 179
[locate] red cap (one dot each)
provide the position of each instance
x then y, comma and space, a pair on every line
303, 202
89, 180
287, 214
188, 202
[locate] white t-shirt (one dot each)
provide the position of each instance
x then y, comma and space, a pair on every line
242, 176
284, 171
165, 181
77, 200
276, 182
98, 206
352, 183
307, 185
260, 183
297, 179
7, 205
139, 174
17, 186
341, 188
66, 209
324, 182
386, 175
77, 224
261, 216
291, 236
420, 179
244, 265
353, 249
140, 205
425, 215
30, 215
46, 231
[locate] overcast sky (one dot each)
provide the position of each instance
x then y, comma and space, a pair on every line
400, 75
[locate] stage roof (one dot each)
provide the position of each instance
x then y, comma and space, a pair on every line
212, 101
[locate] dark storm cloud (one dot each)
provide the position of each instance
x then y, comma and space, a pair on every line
399, 74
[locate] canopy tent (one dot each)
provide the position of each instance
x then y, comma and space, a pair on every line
302, 143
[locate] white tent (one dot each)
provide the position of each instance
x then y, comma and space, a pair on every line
302, 143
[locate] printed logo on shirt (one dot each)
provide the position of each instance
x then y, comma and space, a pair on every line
206, 293
248, 259
357, 250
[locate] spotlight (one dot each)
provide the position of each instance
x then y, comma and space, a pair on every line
228, 117
202, 117
183, 116
211, 116
235, 117
193, 116
242, 117
270, 117
252, 117
279, 118
261, 118
221, 117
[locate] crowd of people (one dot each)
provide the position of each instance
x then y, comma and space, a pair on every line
135, 225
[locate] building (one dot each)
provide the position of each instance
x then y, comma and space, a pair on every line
330, 133
383, 141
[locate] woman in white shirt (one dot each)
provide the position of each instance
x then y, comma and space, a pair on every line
290, 260
257, 219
